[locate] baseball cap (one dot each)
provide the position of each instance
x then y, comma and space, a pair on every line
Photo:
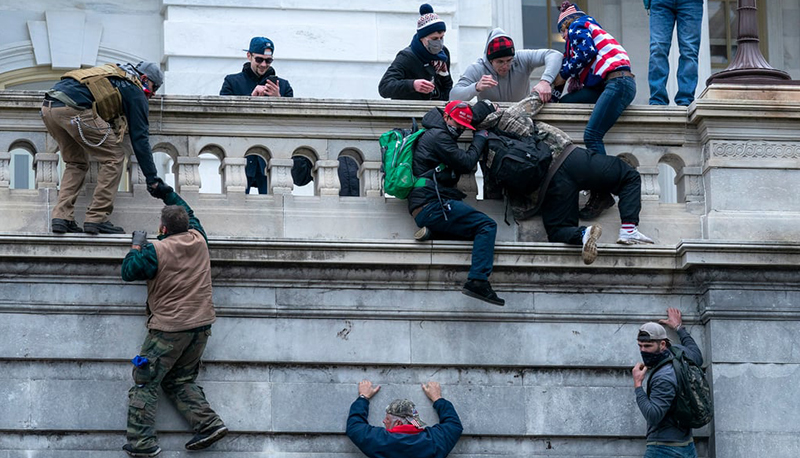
153, 72
460, 112
652, 331
406, 410
259, 45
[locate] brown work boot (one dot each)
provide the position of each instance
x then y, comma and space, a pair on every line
597, 204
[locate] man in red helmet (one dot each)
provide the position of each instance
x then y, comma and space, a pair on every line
437, 206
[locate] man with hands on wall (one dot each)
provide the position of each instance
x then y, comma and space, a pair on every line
404, 433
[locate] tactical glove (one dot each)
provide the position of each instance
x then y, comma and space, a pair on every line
159, 189
139, 238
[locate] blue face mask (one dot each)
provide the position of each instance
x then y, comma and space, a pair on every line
652, 359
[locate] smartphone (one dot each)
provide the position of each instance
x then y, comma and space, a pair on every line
273, 78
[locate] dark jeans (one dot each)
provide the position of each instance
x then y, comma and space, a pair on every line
463, 223
610, 102
584, 169
259, 182
664, 14
668, 451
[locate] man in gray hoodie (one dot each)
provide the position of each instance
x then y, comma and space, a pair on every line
503, 74
665, 437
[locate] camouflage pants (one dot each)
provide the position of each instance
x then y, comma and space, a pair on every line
174, 364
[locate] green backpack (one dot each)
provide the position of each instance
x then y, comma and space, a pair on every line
692, 407
397, 152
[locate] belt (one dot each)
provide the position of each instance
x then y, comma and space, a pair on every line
619, 74
53, 103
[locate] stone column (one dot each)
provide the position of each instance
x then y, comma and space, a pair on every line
327, 180
46, 165
188, 174
369, 176
234, 180
689, 182
280, 176
5, 169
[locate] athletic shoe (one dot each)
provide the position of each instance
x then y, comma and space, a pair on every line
207, 438
145, 452
632, 238
481, 289
590, 237
597, 204
422, 234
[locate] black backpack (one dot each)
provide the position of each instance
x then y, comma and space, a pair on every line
519, 164
692, 407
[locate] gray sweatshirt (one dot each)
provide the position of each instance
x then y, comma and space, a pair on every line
516, 84
663, 386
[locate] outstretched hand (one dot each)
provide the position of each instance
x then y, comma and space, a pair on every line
433, 390
159, 189
674, 318
365, 388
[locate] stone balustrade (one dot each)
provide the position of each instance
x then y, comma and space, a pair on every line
314, 293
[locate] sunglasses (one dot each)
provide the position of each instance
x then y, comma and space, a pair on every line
261, 60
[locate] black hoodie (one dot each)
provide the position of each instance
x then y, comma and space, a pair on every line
244, 82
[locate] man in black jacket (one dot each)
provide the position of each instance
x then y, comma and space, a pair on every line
257, 77
88, 113
421, 71
404, 434
437, 206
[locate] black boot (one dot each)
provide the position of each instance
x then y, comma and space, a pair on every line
63, 226
597, 204
481, 289
102, 228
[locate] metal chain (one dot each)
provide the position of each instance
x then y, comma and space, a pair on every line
77, 121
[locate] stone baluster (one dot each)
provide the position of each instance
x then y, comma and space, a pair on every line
234, 180
188, 174
369, 176
5, 169
280, 176
689, 181
46, 165
650, 187
327, 179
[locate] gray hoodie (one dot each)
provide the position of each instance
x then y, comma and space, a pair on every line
516, 85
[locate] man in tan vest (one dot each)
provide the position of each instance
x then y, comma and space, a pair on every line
88, 113
180, 312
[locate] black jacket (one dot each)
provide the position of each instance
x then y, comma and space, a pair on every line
438, 146
433, 442
244, 82
398, 81
136, 111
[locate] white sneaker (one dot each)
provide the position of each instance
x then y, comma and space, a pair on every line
632, 238
590, 237
422, 234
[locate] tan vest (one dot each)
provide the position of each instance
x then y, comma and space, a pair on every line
107, 99
179, 297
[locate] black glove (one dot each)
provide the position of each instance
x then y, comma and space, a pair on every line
159, 189
481, 110
139, 238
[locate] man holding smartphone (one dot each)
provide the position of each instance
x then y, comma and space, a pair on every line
257, 77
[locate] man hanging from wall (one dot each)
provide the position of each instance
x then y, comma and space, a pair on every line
88, 113
404, 434
180, 312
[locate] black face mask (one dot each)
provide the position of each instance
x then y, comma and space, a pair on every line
457, 131
652, 359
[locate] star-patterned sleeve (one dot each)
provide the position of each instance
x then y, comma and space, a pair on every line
580, 52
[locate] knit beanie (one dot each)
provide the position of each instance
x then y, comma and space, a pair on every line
500, 47
429, 22
568, 10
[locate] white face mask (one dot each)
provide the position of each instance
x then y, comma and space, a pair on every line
435, 46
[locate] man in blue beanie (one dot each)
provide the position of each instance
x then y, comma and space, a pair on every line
421, 71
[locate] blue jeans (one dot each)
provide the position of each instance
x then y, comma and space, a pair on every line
610, 102
667, 451
463, 223
664, 14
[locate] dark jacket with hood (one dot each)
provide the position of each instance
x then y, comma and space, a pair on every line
398, 81
244, 82
432, 442
438, 146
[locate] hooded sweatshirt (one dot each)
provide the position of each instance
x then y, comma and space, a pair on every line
516, 84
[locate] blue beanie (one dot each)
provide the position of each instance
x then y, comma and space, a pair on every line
429, 22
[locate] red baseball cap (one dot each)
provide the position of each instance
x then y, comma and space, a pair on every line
460, 112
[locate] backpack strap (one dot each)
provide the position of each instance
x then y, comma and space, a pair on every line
554, 166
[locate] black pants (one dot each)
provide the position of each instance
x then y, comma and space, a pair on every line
587, 170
